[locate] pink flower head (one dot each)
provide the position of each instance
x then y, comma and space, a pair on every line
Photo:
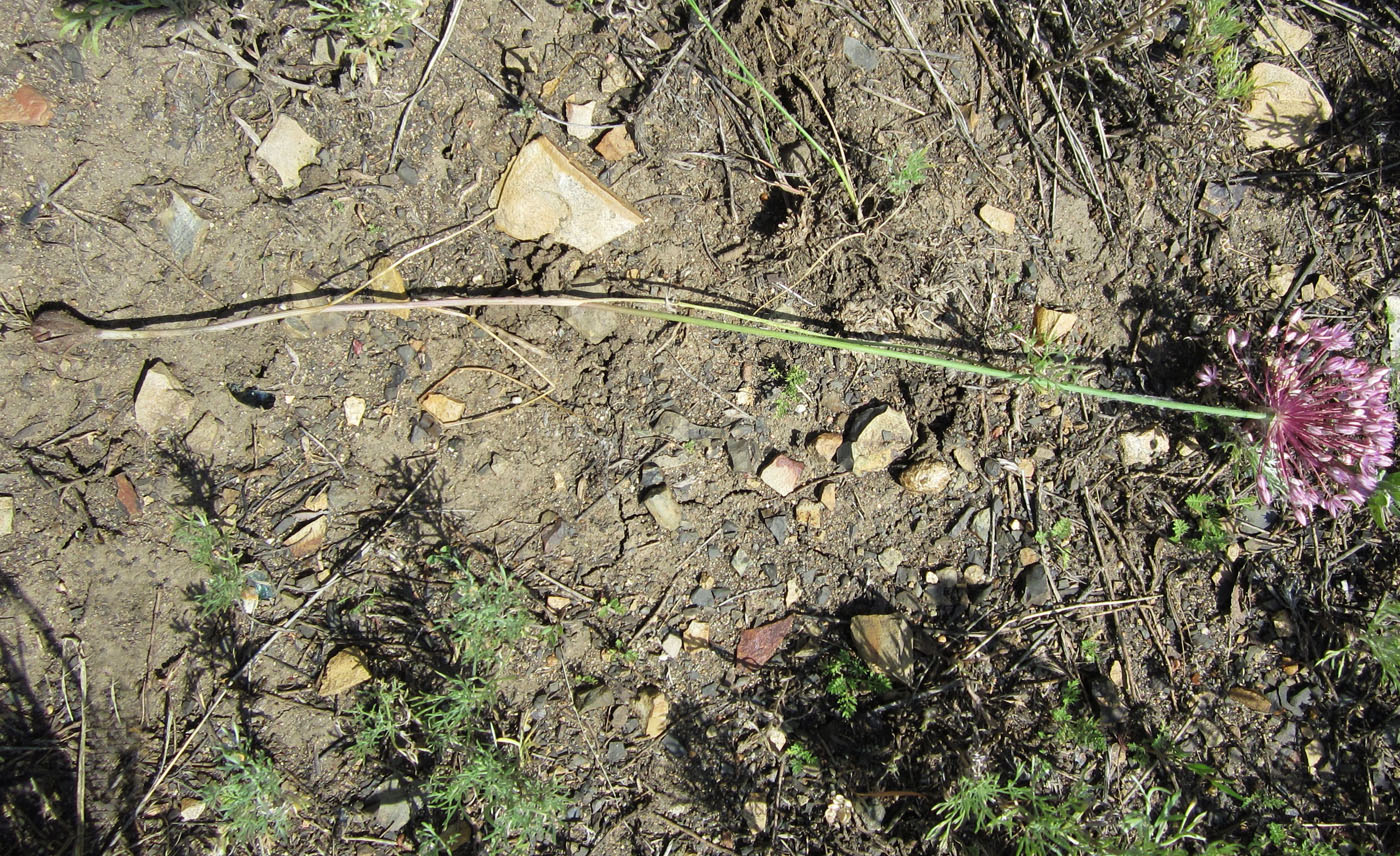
1331, 429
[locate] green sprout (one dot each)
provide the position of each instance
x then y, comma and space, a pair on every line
800, 758
249, 798
789, 381
848, 678
90, 17
371, 23
211, 547
910, 174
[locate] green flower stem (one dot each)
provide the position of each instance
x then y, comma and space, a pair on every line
748, 78
753, 326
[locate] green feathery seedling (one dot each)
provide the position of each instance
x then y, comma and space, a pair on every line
1072, 729
848, 678
371, 23
800, 758
90, 17
1385, 500
910, 174
211, 548
483, 615
1213, 26
789, 382
1382, 637
1208, 531
249, 799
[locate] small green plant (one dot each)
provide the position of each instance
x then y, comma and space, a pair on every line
1382, 638
211, 548
379, 718
848, 678
482, 614
1057, 538
91, 17
625, 654
1030, 818
1089, 649
1213, 27
800, 758
249, 798
370, 23
526, 110
1072, 729
520, 809
610, 607
789, 383
1049, 362
1207, 532
446, 728
910, 174
1386, 498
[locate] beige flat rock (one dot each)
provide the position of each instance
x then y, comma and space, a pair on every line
1277, 36
544, 192
1283, 111
287, 148
162, 402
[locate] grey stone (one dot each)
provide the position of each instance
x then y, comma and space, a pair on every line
702, 597
861, 56
663, 507
777, 526
1035, 585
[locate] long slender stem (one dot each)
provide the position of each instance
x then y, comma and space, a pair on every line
748, 78
754, 327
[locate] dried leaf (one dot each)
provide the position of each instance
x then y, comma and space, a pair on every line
126, 495
306, 540
757, 645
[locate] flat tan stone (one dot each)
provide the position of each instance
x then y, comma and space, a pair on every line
287, 148
997, 219
162, 402
344, 671
1277, 36
544, 192
1284, 109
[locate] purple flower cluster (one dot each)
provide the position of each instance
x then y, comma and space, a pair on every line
1331, 429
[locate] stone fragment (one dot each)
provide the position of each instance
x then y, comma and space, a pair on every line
1319, 289
593, 324
354, 408
1052, 325
757, 645
826, 495
544, 192
315, 323
756, 814
890, 559
881, 434
7, 515
287, 148
1276, 35
615, 145
663, 507
926, 476
1279, 280
557, 603
1035, 585
671, 646
127, 496
997, 219
579, 119
885, 643
388, 286
654, 710
860, 55
825, 445
191, 809
1136, 448
308, 538
809, 514
1220, 200
25, 106
1283, 110
782, 474
443, 408
696, 636
1250, 699
206, 438
162, 402
965, 459
184, 229
344, 671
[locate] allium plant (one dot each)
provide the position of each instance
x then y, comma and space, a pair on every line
1330, 429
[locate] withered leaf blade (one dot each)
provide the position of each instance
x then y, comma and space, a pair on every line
309, 538
757, 645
